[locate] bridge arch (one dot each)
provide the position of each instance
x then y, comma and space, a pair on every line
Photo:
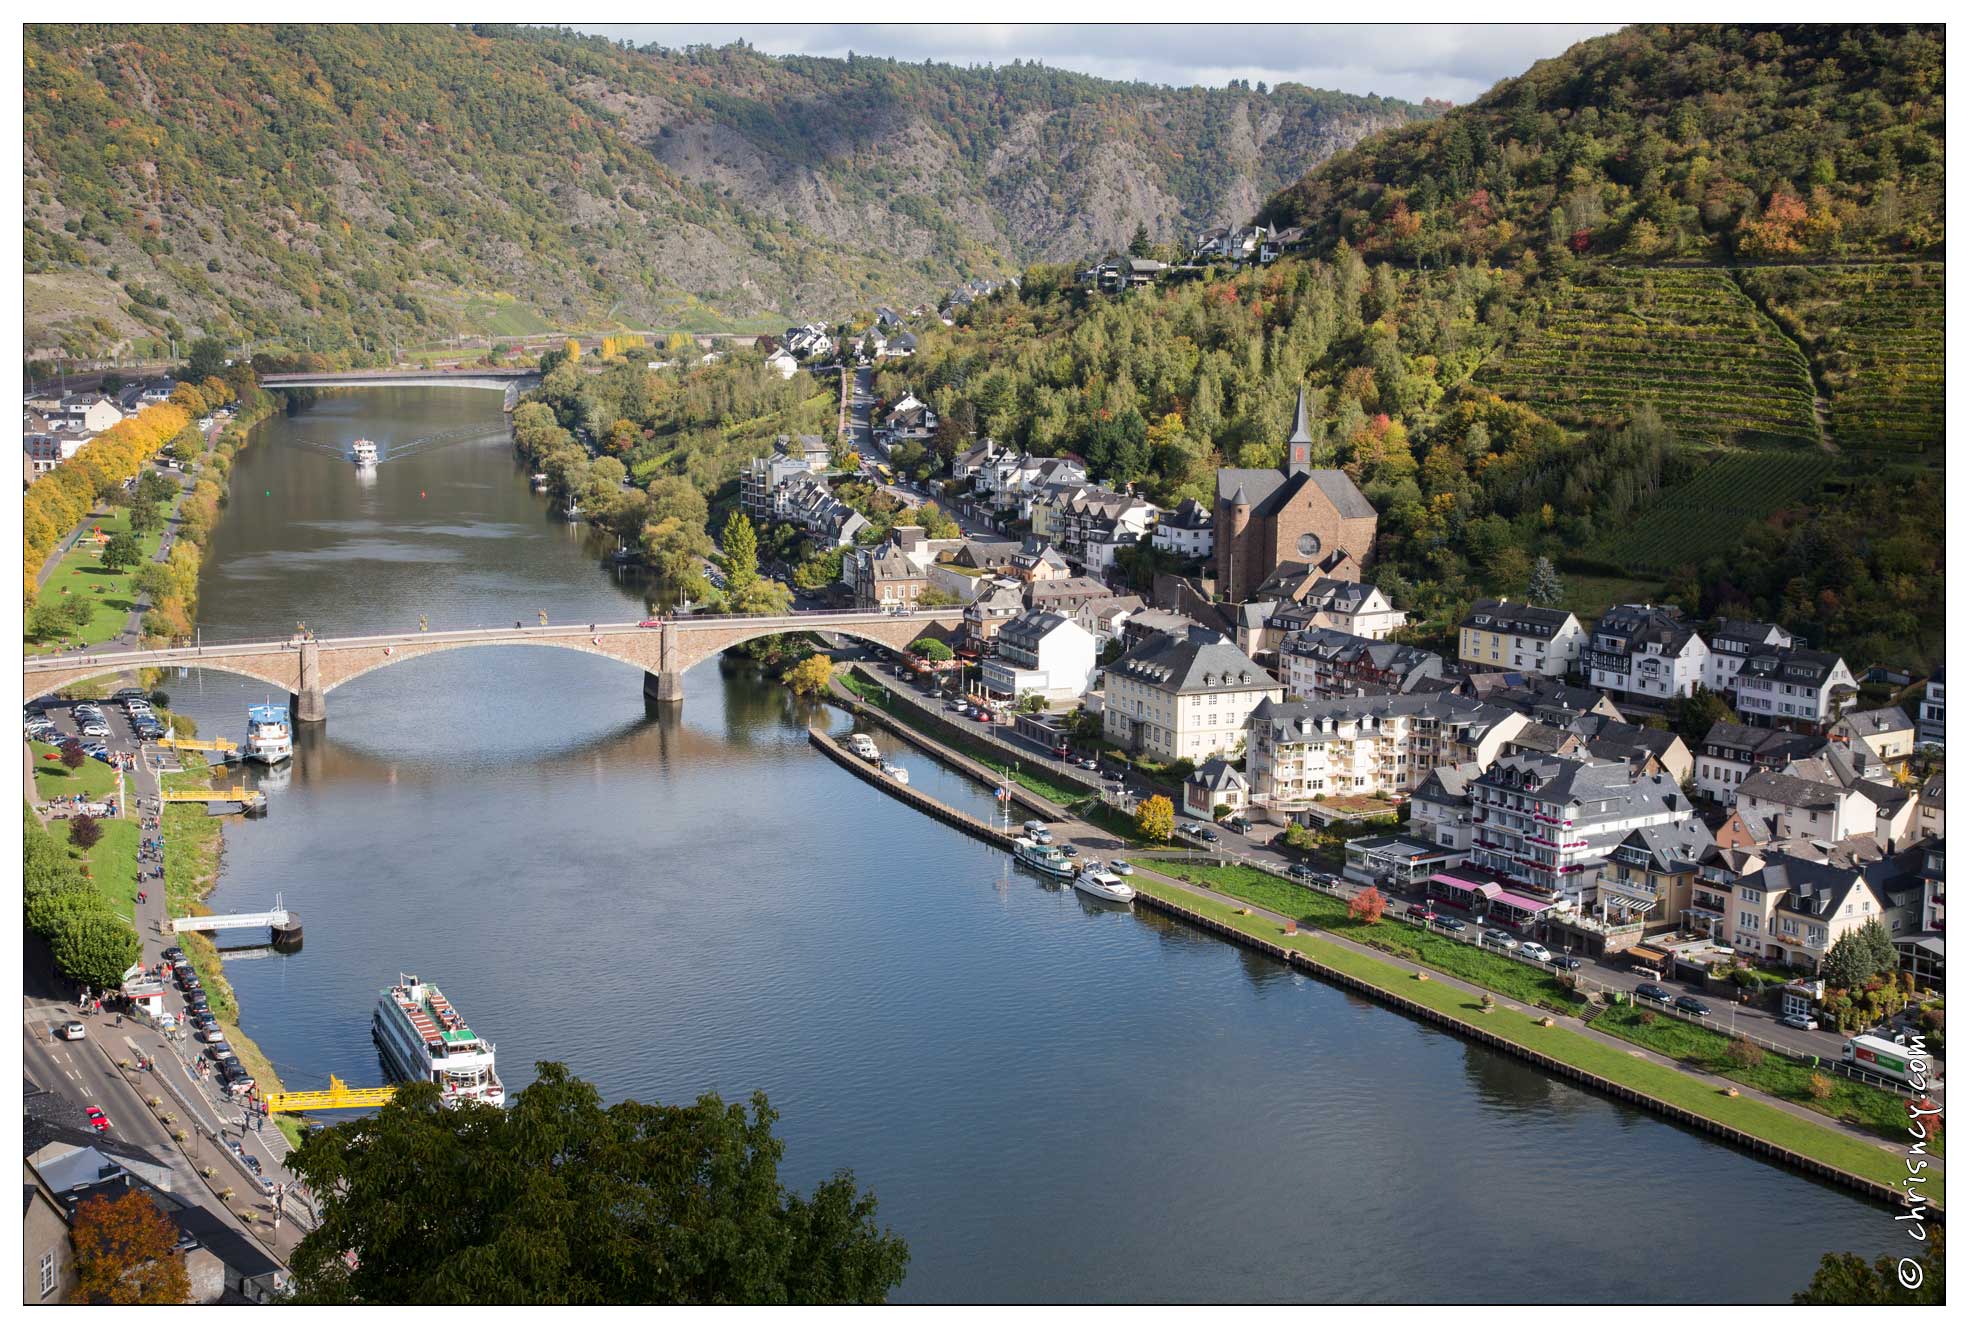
41, 684
336, 672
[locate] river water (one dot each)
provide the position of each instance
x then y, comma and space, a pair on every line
1052, 1099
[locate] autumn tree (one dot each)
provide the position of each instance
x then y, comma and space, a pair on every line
84, 831
741, 545
1155, 819
811, 676
1367, 906
126, 1253
72, 755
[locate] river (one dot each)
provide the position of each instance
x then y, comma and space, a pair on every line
1052, 1099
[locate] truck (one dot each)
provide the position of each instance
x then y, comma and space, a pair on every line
1877, 1056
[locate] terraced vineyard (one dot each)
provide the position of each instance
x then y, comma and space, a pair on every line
1687, 339
1706, 514
1875, 334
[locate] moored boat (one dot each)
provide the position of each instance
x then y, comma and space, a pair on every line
424, 1038
1104, 885
269, 737
363, 452
1047, 858
897, 773
864, 747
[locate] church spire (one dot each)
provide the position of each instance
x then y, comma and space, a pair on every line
1299, 448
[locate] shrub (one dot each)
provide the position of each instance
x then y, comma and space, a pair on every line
1646, 1016
1744, 1053
1819, 1086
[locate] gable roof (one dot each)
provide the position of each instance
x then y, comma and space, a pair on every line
1194, 660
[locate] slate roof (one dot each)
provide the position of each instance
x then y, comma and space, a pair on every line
1523, 620
1197, 660
1270, 491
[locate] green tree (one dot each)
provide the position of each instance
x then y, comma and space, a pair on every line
1879, 944
558, 1199
1699, 712
1850, 962
741, 544
932, 649
1139, 244
95, 948
207, 360
1846, 1279
1544, 588
1155, 818
122, 551
145, 515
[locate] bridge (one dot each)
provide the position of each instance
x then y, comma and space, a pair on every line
511, 382
309, 668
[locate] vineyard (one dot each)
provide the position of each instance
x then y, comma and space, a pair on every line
1685, 339
1706, 514
1876, 335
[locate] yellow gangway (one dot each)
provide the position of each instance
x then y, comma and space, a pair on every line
224, 745
239, 793
336, 1095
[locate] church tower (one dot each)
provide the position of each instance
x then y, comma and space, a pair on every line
1299, 448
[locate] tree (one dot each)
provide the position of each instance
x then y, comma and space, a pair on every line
1031, 703
932, 649
126, 1253
936, 597
122, 551
1853, 960
811, 676
72, 755
145, 515
208, 359
741, 545
1846, 1279
95, 948
1699, 712
558, 1199
1879, 945
84, 831
1545, 588
1155, 818
1139, 244
1367, 906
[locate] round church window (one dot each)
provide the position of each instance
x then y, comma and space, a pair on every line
1309, 544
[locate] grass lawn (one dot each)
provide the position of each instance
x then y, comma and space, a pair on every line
1499, 973
81, 573
113, 863
1671, 1086
92, 779
1113, 820
1863, 1105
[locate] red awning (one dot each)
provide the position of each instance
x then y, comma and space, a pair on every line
1522, 902
1489, 889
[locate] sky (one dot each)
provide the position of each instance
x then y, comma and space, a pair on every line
1454, 62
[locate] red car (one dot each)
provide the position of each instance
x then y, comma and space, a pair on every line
98, 1120
650, 623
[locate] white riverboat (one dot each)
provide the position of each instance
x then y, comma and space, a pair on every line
1104, 885
897, 773
424, 1038
363, 453
269, 737
864, 747
1047, 858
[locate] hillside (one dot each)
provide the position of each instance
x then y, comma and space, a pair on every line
356, 185
1657, 143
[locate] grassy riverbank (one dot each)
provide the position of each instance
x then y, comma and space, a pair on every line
1488, 969
1863, 1105
1763, 1120
82, 576
880, 697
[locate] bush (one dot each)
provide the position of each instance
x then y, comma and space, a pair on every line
1646, 1016
1745, 1053
1819, 1086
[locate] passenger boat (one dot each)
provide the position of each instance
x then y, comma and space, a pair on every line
1047, 858
363, 453
864, 747
540, 482
269, 738
1102, 884
895, 772
424, 1038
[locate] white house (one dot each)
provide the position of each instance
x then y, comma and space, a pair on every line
1439, 809
1733, 641
1794, 689
1185, 531
783, 362
1184, 695
1932, 709
1647, 650
1044, 653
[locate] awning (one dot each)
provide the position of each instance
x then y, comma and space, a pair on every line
1488, 889
1637, 906
1522, 902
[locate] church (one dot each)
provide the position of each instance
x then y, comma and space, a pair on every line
1265, 519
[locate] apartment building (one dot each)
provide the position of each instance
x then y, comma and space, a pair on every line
1325, 662
1733, 641
1647, 651
1497, 634
1184, 695
1302, 752
1794, 689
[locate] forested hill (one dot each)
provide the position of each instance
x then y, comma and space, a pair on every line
367, 184
1659, 143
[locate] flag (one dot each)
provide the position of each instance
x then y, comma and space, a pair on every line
1002, 793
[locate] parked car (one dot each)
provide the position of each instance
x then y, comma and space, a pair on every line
1532, 950
1504, 941
1207, 835
1448, 924
98, 1120
74, 1031
95, 729
1189, 828
1798, 1022
1240, 824
1300, 871
1692, 1005
1421, 913
173, 953
1565, 962
1121, 869
218, 1050
1654, 992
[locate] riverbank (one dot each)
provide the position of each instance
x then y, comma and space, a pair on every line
1769, 1127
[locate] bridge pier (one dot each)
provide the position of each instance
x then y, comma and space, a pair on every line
667, 686
308, 707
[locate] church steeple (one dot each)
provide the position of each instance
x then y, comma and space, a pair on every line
1299, 448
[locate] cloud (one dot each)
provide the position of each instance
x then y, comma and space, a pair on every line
1456, 61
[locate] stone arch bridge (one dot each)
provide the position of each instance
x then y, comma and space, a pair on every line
511, 382
309, 668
